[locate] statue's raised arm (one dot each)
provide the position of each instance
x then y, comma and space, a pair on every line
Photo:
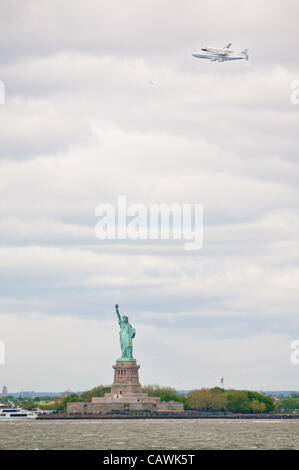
117, 311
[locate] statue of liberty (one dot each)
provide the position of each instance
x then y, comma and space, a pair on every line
126, 334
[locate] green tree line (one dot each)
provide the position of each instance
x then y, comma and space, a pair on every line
234, 401
204, 399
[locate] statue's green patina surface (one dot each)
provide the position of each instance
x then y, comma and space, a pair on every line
126, 335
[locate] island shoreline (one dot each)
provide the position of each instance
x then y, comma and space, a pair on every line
169, 416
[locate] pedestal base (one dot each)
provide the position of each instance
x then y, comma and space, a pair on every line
125, 395
126, 378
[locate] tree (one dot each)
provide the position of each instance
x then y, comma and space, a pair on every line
98, 391
62, 405
164, 393
207, 399
258, 406
287, 406
268, 401
238, 401
157, 391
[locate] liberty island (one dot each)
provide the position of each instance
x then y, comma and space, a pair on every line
126, 393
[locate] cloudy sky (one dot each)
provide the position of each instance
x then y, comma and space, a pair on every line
103, 98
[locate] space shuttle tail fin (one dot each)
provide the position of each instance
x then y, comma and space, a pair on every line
245, 53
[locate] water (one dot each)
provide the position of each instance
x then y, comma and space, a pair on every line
150, 434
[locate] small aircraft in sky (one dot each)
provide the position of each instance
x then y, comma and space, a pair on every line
221, 55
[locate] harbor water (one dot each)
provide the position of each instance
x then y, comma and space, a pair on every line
167, 434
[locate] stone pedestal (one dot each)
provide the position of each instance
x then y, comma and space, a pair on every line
125, 395
126, 378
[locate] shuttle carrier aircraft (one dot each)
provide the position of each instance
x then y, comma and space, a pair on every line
221, 55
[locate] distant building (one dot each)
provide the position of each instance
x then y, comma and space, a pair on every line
66, 393
30, 394
4, 391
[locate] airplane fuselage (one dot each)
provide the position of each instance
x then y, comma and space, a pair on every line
220, 55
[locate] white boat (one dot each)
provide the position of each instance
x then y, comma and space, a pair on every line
15, 412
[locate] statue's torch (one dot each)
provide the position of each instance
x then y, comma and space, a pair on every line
117, 311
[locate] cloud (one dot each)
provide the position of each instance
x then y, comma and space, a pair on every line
160, 31
82, 125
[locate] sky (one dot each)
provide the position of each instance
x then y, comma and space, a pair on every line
103, 99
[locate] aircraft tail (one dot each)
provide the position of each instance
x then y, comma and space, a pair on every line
245, 53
